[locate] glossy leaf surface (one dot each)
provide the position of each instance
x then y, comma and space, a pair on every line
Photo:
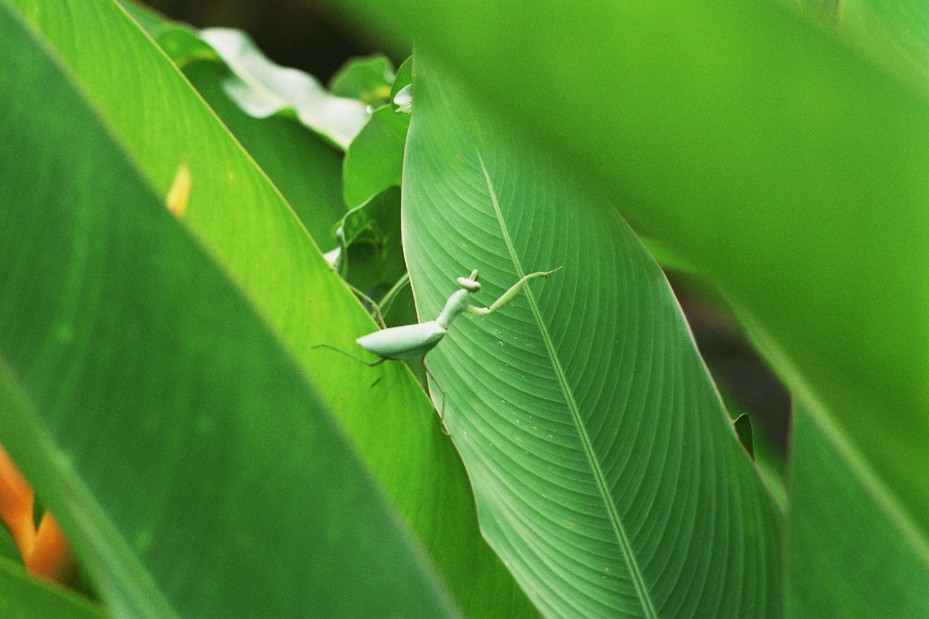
298, 161
150, 405
241, 221
759, 150
607, 473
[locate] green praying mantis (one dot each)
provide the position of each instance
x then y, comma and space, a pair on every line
412, 341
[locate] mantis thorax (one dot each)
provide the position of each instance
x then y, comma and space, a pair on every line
458, 302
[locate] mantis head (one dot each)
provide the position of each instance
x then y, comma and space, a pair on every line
469, 283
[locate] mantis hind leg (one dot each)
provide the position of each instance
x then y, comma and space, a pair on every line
439, 410
370, 364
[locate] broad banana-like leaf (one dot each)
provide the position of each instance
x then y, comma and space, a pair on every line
193, 469
760, 150
245, 227
607, 473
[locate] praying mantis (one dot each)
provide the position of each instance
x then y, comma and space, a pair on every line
412, 341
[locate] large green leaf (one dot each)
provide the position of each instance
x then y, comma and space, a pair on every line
243, 223
302, 167
606, 470
193, 469
756, 148
846, 554
850, 548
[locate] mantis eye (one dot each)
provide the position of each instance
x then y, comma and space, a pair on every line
468, 284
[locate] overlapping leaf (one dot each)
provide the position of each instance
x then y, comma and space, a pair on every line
301, 166
193, 469
606, 470
241, 221
851, 547
760, 150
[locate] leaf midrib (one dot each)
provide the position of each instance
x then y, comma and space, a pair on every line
586, 443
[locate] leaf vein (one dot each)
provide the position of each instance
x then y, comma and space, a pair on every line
585, 439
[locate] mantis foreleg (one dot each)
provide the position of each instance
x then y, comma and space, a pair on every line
507, 296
